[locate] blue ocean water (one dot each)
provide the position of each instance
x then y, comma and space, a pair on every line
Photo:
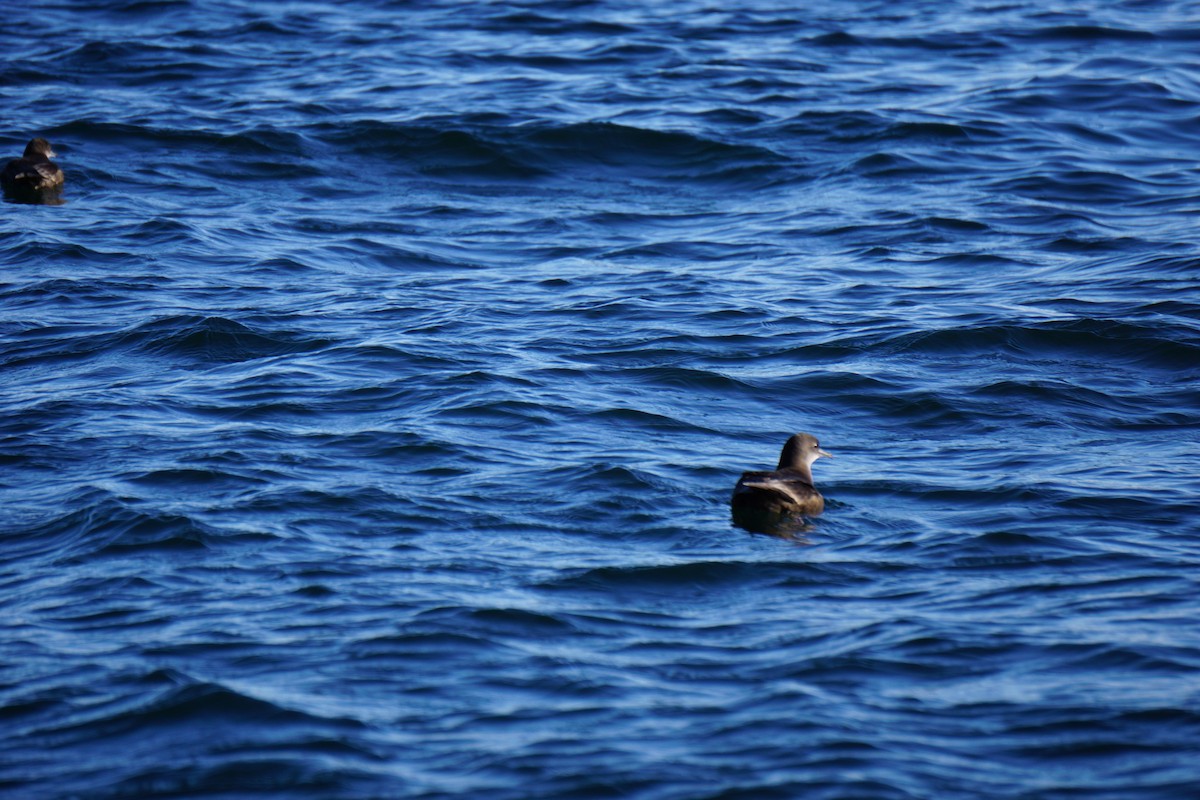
369, 410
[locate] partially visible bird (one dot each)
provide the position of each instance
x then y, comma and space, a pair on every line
786, 490
33, 172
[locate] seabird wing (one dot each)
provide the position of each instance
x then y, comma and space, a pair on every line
24, 174
790, 490
21, 170
46, 170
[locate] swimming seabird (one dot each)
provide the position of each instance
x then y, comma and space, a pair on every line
33, 172
786, 490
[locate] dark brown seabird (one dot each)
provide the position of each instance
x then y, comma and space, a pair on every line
786, 490
33, 172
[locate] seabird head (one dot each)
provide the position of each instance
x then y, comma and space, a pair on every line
800, 451
39, 147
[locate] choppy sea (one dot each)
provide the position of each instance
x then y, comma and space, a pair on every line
370, 407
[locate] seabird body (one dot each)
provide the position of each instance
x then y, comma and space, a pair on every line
33, 172
788, 489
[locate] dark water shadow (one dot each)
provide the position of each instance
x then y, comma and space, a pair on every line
793, 527
35, 197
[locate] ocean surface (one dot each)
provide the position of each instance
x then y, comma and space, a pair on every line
369, 409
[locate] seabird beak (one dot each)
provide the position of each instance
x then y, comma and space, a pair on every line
821, 452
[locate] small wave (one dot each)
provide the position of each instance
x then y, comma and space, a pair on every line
859, 127
1083, 33
102, 524
935, 42
71, 292
247, 740
1049, 393
1043, 97
138, 56
526, 22
644, 420
642, 149
678, 377
462, 146
695, 575
1086, 188
328, 510
501, 414
891, 165
1099, 340
1090, 134
208, 340
856, 394
180, 697
261, 141
836, 39
438, 147
184, 478
930, 130
488, 622
73, 253
417, 646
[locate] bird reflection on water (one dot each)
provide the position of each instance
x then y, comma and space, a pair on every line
793, 527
